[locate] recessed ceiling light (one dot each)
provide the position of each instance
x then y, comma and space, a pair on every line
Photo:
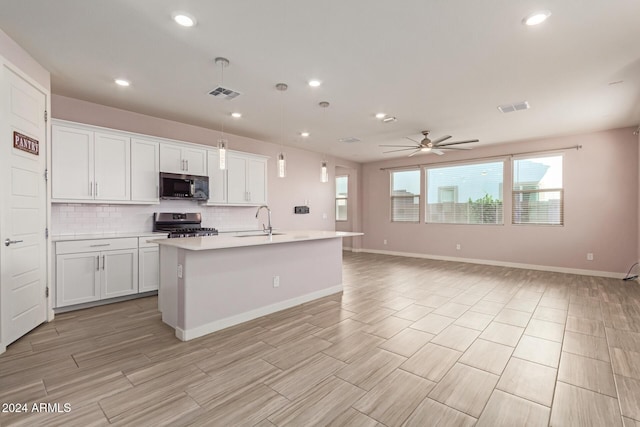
122, 82
380, 116
314, 83
389, 119
536, 18
184, 19
304, 134
236, 115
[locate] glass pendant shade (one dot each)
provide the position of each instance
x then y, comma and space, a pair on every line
282, 166
222, 153
324, 173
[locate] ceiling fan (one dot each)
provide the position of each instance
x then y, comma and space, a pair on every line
428, 146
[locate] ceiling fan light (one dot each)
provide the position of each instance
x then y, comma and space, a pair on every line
425, 149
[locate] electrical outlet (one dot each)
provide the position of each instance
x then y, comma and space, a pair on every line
384, 242
458, 246
590, 256
276, 281
179, 271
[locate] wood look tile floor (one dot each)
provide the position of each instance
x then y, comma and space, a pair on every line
410, 342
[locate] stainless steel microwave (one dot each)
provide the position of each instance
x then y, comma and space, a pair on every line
176, 186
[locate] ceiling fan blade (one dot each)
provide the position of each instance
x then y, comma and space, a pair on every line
383, 145
414, 153
402, 149
439, 140
411, 139
460, 142
438, 152
453, 148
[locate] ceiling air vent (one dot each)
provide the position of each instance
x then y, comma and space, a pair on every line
349, 139
224, 93
510, 108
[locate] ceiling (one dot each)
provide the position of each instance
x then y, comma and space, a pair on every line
438, 65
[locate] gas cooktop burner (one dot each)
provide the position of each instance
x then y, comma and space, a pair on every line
181, 225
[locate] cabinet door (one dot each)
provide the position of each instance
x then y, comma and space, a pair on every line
171, 159
195, 161
112, 167
257, 181
72, 164
217, 179
236, 179
119, 273
149, 263
145, 164
77, 278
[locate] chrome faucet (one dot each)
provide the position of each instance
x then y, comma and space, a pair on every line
268, 229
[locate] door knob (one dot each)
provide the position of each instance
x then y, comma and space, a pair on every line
7, 242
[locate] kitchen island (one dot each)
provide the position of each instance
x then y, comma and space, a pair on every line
211, 283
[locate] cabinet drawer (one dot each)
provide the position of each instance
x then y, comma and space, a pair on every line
78, 246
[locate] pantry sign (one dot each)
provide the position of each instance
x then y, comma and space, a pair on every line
24, 143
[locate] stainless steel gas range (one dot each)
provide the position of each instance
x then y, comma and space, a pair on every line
181, 224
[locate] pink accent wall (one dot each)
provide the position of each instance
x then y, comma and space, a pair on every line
21, 59
303, 167
601, 210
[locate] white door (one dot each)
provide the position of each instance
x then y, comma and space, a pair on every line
119, 274
72, 164
77, 278
195, 161
171, 159
257, 186
112, 167
217, 179
149, 264
236, 179
23, 207
145, 158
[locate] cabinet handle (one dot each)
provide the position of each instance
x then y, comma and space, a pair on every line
97, 246
187, 165
104, 261
182, 167
96, 188
97, 262
157, 191
91, 188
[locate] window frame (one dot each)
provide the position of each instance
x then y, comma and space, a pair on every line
412, 197
560, 190
346, 198
470, 162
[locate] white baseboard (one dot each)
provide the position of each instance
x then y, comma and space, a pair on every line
186, 335
554, 269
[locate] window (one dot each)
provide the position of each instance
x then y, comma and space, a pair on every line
405, 196
538, 196
342, 193
465, 194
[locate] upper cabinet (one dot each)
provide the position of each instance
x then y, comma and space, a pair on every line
183, 159
246, 179
145, 170
89, 165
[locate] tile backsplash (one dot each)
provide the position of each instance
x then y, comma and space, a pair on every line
77, 218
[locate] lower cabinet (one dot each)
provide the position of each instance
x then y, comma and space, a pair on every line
149, 263
92, 270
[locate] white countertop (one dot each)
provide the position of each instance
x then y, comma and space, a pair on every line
224, 242
94, 236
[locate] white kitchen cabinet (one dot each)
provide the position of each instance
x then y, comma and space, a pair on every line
217, 179
145, 168
72, 163
183, 159
246, 179
149, 266
88, 165
92, 270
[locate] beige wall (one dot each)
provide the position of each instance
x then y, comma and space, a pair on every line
13, 53
601, 210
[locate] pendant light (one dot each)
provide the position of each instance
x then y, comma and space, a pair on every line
282, 161
222, 142
324, 171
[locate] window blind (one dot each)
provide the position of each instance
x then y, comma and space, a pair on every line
405, 196
538, 193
